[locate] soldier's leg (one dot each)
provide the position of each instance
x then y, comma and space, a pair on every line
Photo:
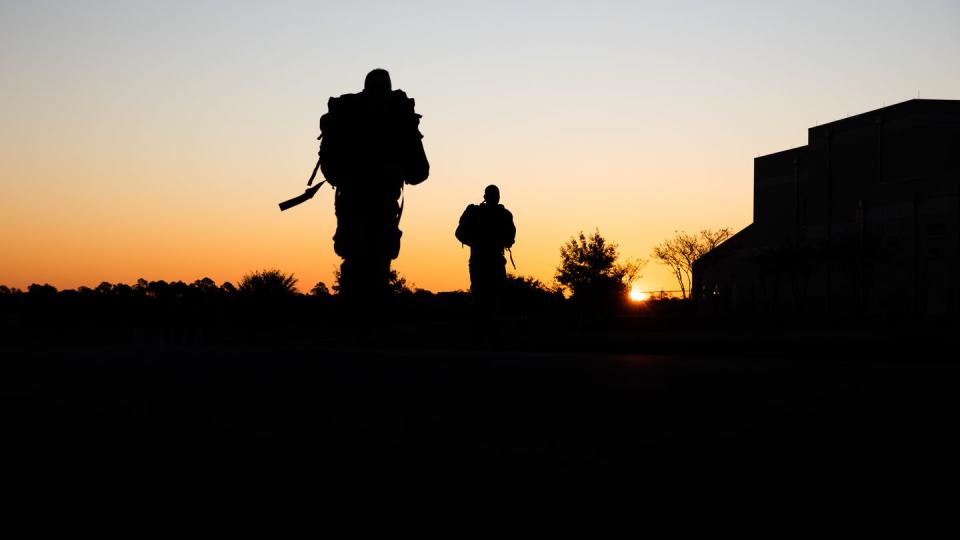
499, 273
347, 241
386, 246
479, 278
348, 280
368, 238
371, 272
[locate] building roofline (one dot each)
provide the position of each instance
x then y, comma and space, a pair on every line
729, 244
904, 107
798, 149
911, 105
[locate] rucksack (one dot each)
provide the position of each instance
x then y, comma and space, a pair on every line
365, 136
487, 226
467, 229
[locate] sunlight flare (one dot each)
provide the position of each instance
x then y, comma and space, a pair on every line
636, 295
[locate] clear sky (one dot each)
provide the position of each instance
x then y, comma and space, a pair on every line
155, 139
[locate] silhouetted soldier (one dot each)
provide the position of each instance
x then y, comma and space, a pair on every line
488, 229
370, 146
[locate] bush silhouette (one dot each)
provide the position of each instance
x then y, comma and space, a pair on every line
396, 284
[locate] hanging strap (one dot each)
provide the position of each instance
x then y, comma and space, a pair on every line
315, 167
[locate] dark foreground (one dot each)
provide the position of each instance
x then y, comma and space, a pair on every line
367, 425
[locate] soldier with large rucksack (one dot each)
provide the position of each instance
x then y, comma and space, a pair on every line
489, 230
370, 146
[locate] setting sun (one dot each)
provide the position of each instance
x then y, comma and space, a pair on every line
637, 295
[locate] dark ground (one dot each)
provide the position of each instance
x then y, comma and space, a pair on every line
350, 423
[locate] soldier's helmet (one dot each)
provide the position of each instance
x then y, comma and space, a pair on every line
491, 194
377, 81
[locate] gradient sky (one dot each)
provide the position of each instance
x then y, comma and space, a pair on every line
155, 139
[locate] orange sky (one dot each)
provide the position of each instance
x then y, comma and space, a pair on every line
156, 143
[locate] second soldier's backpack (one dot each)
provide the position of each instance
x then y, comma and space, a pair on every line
466, 231
486, 227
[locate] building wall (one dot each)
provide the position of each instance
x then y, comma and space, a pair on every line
776, 200
865, 219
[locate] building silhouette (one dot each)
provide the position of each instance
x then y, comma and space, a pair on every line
863, 220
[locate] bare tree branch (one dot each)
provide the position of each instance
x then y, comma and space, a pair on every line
680, 252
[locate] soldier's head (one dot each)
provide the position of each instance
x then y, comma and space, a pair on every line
491, 195
377, 82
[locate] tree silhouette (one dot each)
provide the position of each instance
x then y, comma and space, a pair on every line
105, 287
590, 271
158, 289
680, 252
42, 291
320, 289
268, 284
205, 285
398, 284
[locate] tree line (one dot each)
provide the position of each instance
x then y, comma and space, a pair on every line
590, 272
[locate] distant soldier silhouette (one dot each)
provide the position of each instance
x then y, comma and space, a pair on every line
488, 229
370, 147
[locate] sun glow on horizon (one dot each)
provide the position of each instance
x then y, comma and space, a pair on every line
636, 295
156, 143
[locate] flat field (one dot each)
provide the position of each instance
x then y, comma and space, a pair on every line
356, 423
